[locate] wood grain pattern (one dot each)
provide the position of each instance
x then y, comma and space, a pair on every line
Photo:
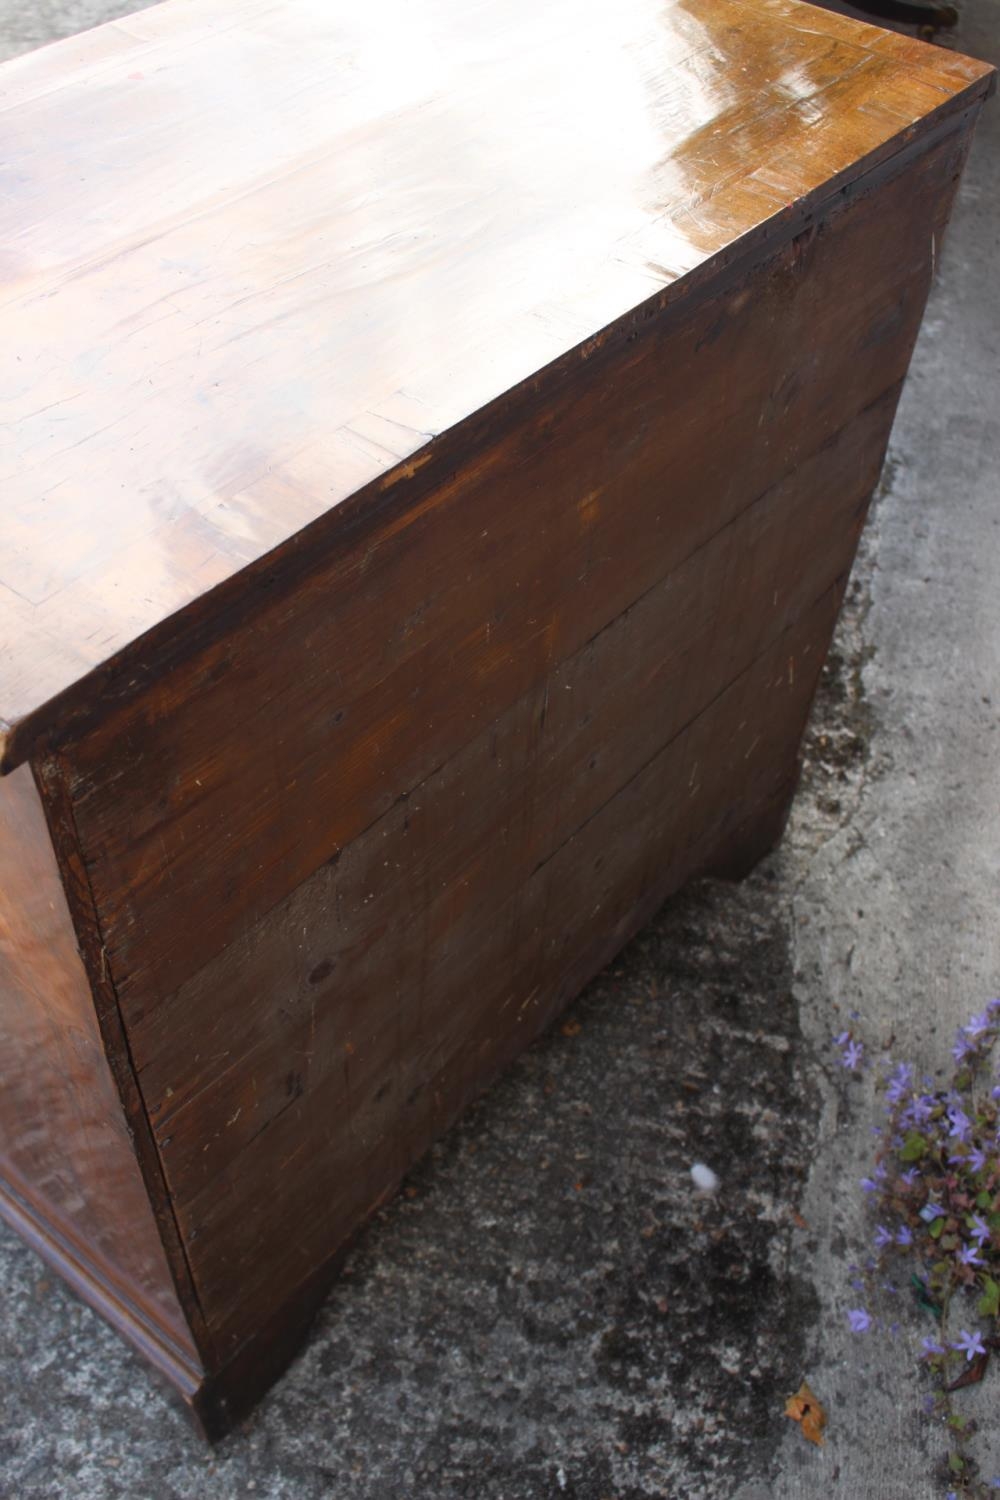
280, 247
68, 1174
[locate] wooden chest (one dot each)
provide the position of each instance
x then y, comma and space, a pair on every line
435, 440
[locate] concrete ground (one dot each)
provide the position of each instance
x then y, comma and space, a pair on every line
548, 1309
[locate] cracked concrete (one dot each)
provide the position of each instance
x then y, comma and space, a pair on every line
549, 1309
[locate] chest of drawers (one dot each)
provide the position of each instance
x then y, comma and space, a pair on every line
435, 443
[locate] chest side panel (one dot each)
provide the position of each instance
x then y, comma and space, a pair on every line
350, 857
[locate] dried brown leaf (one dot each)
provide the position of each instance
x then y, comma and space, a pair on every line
804, 1408
973, 1372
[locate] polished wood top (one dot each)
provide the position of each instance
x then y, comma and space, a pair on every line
256, 253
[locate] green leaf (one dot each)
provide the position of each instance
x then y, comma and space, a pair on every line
956, 1463
984, 1199
923, 1296
936, 1229
914, 1146
989, 1302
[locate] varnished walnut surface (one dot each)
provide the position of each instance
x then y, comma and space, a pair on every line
255, 255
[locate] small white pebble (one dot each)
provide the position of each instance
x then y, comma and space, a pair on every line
561, 1477
704, 1178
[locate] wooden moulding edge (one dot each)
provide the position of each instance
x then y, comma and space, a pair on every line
173, 640
85, 1279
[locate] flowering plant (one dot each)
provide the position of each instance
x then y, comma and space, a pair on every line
935, 1191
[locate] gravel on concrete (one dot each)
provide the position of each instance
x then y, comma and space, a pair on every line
550, 1308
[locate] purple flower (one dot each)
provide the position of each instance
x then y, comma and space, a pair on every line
842, 1040
980, 1229
974, 1159
900, 1083
904, 1236
962, 1047
960, 1123
970, 1256
969, 1344
869, 1185
979, 1025
853, 1053
931, 1347
930, 1212
918, 1111
883, 1237
860, 1321
910, 1176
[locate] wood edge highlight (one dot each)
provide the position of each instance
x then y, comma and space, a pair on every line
9, 759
